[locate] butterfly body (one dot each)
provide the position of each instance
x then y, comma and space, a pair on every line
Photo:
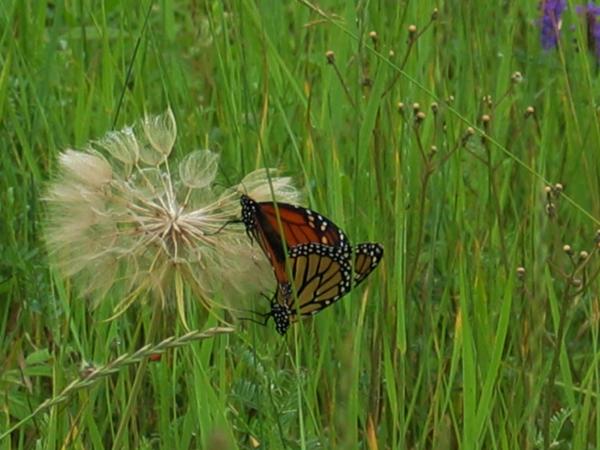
282, 316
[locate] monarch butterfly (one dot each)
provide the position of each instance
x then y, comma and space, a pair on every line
319, 257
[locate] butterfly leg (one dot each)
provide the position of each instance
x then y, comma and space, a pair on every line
265, 317
269, 299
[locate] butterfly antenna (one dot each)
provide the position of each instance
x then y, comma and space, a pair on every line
225, 225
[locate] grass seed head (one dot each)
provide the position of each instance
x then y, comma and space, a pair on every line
529, 111
330, 55
516, 77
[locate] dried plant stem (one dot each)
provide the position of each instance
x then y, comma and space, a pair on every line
425, 178
411, 43
114, 366
131, 65
343, 83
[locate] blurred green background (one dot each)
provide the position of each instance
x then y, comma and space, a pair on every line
479, 330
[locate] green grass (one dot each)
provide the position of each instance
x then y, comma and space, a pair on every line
445, 346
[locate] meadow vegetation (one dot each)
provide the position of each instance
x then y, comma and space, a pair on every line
445, 130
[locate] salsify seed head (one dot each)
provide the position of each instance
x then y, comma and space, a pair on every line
121, 218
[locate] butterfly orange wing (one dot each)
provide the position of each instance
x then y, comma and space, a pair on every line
268, 223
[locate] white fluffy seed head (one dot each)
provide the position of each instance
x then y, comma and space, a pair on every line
119, 220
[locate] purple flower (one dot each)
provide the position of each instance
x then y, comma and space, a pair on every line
550, 22
592, 12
